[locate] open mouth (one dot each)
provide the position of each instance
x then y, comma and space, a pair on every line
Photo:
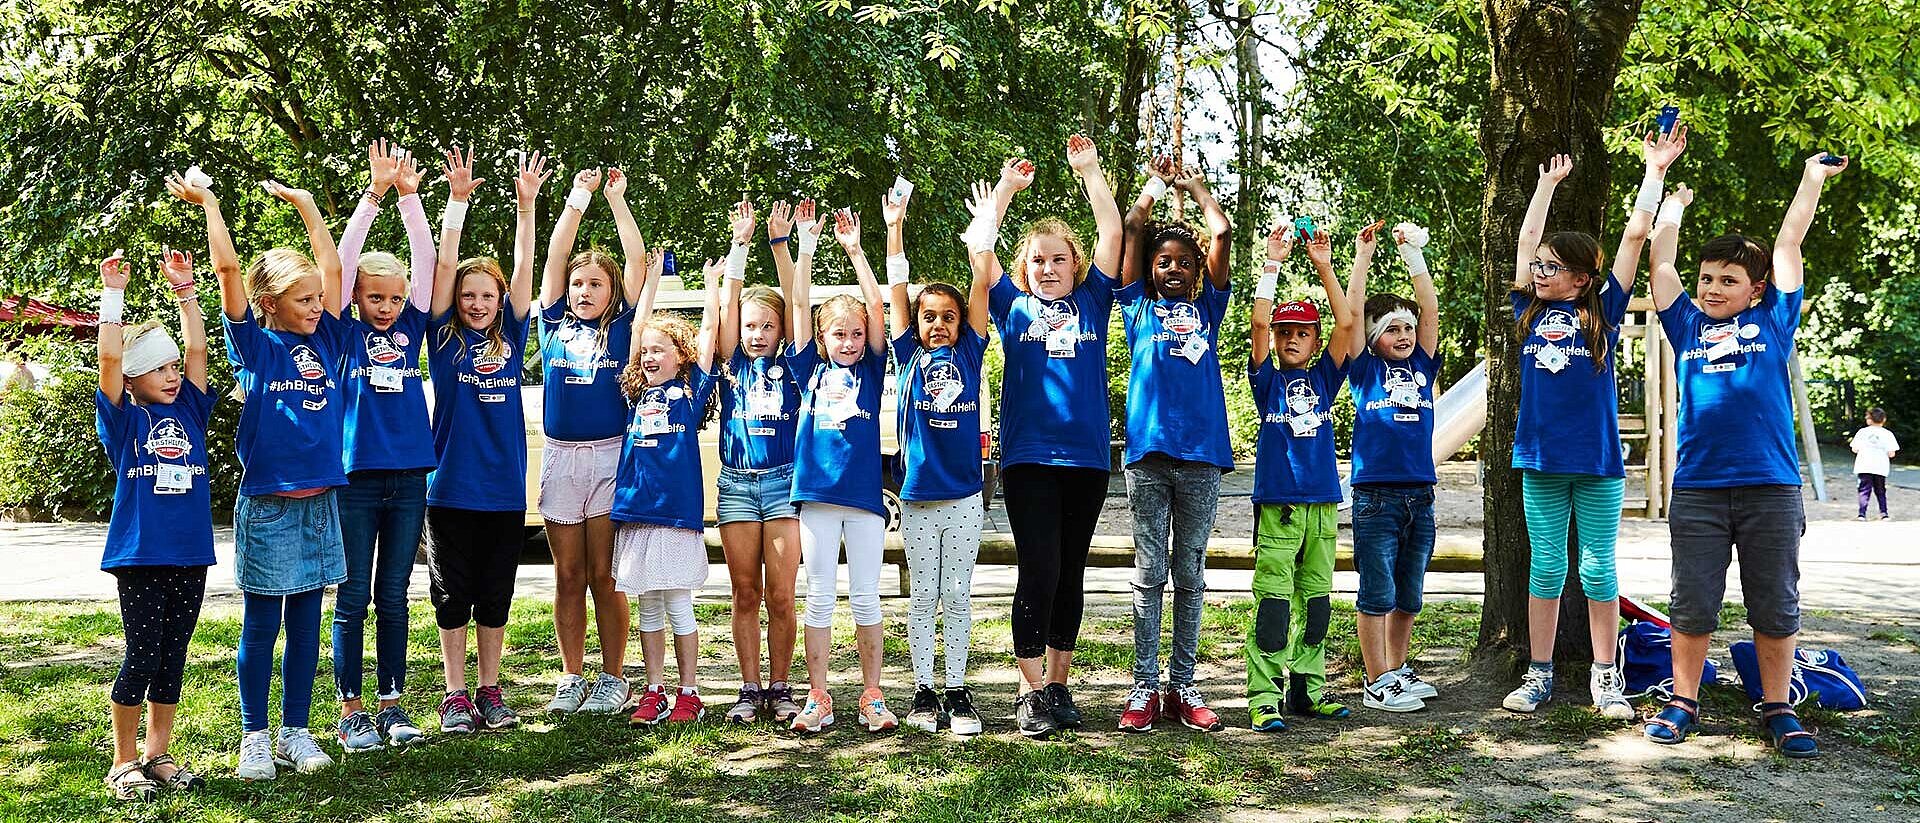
1174, 283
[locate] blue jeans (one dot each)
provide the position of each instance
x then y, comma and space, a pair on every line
387, 508
1392, 541
1177, 499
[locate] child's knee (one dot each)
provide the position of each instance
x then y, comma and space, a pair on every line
866, 607
1272, 623
1319, 615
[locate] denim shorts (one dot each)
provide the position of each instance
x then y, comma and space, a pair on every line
1393, 537
1764, 524
285, 545
755, 495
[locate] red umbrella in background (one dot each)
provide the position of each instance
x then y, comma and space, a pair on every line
41, 317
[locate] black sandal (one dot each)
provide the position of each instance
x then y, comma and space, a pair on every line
130, 783
181, 780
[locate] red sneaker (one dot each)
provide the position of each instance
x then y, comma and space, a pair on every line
1143, 705
687, 708
652, 708
1186, 705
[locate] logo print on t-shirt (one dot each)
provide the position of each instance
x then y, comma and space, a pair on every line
943, 383
485, 360
1301, 398
1556, 325
1054, 315
168, 440
307, 363
836, 386
1180, 317
580, 341
382, 351
1712, 333
652, 413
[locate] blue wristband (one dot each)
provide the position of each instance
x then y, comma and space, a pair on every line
775, 241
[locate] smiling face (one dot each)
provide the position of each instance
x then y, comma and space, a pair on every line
659, 358
378, 299
162, 385
1396, 341
589, 290
1052, 266
1725, 289
477, 298
844, 338
1175, 267
761, 329
1295, 344
937, 320
297, 309
1556, 279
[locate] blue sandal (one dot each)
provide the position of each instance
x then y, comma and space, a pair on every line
1674, 722
1782, 725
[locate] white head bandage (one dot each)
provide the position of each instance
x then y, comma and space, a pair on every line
1380, 324
151, 350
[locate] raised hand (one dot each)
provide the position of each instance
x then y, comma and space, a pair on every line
1280, 241
1556, 169
1188, 177
712, 272
1017, 174
407, 179
981, 204
1821, 171
1682, 194
1369, 238
291, 195
1662, 149
742, 221
656, 263
846, 229
893, 212
1164, 169
383, 162
532, 175
1082, 157
1320, 248
177, 265
807, 214
178, 186
459, 175
779, 220
113, 271
588, 179
616, 182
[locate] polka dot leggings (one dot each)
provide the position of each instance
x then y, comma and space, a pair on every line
159, 606
942, 541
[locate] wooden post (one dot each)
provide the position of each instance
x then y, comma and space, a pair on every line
1651, 366
1669, 413
1809, 439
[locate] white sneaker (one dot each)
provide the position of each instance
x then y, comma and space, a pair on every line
1536, 687
1389, 694
608, 695
1413, 685
1609, 688
256, 756
568, 694
296, 748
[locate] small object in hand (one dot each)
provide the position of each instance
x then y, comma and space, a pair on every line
1831, 159
1304, 225
902, 189
668, 267
197, 178
1416, 236
1669, 119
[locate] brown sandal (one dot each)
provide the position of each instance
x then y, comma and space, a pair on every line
130, 783
180, 780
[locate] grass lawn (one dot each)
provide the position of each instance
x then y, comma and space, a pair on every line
55, 741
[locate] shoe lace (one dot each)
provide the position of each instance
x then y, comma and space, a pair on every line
299, 743
1190, 697
749, 696
960, 701
1613, 684
396, 716
571, 689
255, 748
1138, 699
357, 723
1407, 676
1536, 680
1395, 687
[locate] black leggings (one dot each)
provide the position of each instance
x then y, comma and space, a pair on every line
159, 606
472, 557
1053, 511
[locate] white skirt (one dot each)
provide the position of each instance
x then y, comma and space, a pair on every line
650, 558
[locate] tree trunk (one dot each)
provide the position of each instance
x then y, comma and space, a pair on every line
1137, 64
1550, 91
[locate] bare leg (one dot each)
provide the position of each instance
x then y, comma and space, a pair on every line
780, 553
1543, 619
453, 657
568, 542
1776, 665
1059, 666
1372, 629
492, 644
653, 652
686, 652
1603, 628
126, 733
869, 639
741, 543
1399, 637
1689, 655
1032, 673
160, 736
819, 644
611, 616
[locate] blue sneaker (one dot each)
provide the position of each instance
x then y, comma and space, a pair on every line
398, 727
358, 733
1536, 687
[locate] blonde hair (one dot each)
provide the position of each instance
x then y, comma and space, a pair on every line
633, 380
770, 299
611, 266
1049, 227
380, 264
274, 273
838, 307
496, 333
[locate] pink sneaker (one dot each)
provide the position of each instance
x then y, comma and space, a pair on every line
652, 708
687, 707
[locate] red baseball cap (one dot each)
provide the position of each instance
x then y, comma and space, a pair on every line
1296, 311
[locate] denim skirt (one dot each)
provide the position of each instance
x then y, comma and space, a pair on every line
284, 545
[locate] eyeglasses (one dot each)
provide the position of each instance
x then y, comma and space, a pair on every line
1548, 270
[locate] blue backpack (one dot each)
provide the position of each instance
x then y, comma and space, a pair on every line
1818, 673
1646, 660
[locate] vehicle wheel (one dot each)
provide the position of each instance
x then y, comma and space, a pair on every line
890, 500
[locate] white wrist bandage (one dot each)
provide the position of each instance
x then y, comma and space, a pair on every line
1670, 212
1415, 259
737, 262
1155, 188
579, 198
455, 217
113, 305
1648, 200
896, 270
809, 241
1269, 282
981, 236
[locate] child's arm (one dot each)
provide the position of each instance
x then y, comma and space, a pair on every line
710, 315
178, 268
983, 233
846, 229
1363, 248
1160, 174
520, 288
383, 166
113, 296
633, 277
226, 261
800, 323
1085, 161
1534, 226
986, 266
1789, 267
783, 222
325, 256
1660, 149
553, 280
1424, 295
413, 214
1219, 228
460, 186
895, 214
1346, 332
1666, 284
1279, 245
643, 307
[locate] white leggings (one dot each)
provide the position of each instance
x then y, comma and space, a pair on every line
942, 539
822, 526
657, 607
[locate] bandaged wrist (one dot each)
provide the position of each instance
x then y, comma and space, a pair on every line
113, 305
1269, 281
1155, 188
1670, 212
809, 239
455, 217
579, 198
896, 270
1415, 259
1648, 199
981, 236
737, 262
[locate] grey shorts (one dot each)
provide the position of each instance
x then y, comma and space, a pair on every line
755, 495
1765, 523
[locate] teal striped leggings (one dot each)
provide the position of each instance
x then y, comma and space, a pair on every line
1593, 504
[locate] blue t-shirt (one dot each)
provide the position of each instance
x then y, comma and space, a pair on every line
162, 509
1176, 404
939, 423
580, 368
836, 453
386, 404
1393, 417
1053, 398
290, 427
1736, 401
479, 429
1294, 461
759, 407
1569, 420
659, 481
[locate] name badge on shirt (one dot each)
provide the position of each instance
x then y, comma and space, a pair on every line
1062, 342
761, 431
1406, 417
1404, 397
653, 422
1551, 358
1304, 425
172, 478
1194, 349
763, 403
385, 379
1727, 346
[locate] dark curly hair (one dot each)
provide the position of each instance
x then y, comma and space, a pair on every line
1155, 235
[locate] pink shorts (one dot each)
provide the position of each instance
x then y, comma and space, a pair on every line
576, 479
